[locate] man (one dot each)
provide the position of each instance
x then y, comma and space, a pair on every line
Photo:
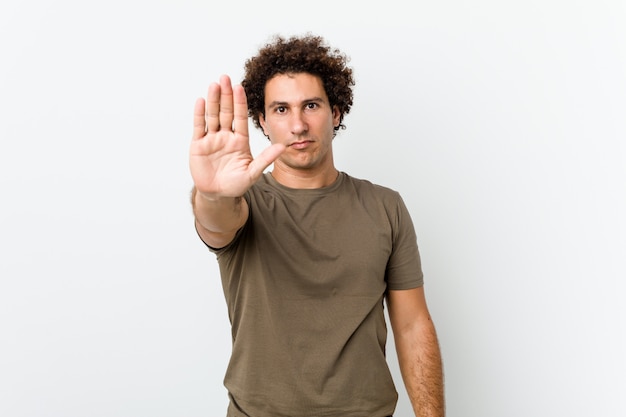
307, 254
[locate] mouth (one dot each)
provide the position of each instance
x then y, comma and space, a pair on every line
302, 144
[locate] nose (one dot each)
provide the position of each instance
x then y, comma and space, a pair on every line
299, 125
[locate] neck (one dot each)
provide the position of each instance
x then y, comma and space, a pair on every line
304, 179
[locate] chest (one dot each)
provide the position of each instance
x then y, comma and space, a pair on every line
324, 244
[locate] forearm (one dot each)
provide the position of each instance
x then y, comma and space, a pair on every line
224, 215
420, 362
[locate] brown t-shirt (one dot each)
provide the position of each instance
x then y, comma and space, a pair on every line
304, 282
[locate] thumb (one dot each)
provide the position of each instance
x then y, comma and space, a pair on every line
265, 158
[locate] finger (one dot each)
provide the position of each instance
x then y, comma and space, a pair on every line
226, 103
240, 124
265, 158
199, 120
213, 108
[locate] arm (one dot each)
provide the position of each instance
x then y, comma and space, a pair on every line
221, 163
418, 351
217, 220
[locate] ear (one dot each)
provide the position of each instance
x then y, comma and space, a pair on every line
262, 123
336, 116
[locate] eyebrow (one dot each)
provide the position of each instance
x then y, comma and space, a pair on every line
285, 103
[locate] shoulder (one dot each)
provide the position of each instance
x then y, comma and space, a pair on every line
365, 187
387, 200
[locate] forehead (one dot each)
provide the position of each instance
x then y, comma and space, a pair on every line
294, 88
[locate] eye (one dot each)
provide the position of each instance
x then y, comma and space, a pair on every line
312, 106
281, 109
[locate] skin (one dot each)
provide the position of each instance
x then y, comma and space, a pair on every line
299, 122
299, 116
221, 163
418, 351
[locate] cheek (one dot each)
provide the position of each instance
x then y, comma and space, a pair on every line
276, 127
266, 129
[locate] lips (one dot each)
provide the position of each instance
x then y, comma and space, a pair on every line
301, 144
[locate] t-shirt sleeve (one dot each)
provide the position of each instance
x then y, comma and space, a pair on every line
404, 268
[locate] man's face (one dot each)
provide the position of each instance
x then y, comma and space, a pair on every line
298, 115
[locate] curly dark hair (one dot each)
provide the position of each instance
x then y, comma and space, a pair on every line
299, 54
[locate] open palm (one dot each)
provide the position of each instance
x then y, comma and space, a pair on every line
220, 159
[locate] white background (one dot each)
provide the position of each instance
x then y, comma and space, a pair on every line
502, 123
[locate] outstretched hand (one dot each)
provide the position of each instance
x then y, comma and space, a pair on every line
220, 159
